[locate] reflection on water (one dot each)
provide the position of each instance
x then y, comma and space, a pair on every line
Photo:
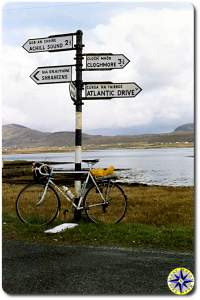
152, 166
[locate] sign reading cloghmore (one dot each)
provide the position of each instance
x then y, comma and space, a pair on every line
100, 90
105, 61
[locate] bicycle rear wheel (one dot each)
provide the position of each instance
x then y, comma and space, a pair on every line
109, 210
31, 211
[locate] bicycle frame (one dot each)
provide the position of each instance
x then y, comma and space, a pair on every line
82, 192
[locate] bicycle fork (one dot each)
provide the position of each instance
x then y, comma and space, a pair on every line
43, 194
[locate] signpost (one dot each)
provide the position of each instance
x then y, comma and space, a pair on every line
53, 43
105, 61
53, 74
78, 122
93, 90
108, 90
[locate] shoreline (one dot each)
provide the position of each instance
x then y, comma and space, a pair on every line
96, 148
20, 172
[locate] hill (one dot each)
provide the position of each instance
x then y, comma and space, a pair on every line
14, 135
185, 127
17, 136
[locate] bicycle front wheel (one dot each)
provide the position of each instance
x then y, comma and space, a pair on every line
31, 210
105, 204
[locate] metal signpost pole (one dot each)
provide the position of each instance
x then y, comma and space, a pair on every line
93, 90
78, 104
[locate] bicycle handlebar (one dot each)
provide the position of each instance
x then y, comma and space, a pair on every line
44, 166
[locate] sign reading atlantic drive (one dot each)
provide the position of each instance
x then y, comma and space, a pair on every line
100, 90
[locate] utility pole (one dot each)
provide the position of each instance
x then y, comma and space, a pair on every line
78, 122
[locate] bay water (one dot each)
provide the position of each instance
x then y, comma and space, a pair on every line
163, 166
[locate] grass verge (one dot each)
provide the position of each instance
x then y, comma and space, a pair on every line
123, 235
157, 217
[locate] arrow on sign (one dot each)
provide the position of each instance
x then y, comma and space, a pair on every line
35, 75
52, 43
105, 61
53, 74
107, 90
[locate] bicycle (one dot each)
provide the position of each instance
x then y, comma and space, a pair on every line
102, 199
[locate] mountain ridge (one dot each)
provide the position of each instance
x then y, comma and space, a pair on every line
185, 127
139, 130
19, 136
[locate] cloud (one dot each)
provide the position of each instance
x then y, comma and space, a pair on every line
159, 44
9, 114
46, 107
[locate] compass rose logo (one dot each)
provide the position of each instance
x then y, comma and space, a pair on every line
180, 281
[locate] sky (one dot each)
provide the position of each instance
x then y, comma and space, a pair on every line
157, 38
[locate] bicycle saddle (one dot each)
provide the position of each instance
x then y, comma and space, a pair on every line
90, 161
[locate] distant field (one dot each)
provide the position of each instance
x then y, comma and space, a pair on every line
136, 145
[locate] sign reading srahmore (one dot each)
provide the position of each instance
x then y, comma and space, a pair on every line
53, 74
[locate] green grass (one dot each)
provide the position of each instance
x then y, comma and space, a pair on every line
157, 217
117, 235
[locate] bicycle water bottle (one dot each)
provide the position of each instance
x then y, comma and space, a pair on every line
68, 192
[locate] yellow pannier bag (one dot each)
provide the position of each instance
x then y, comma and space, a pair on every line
103, 172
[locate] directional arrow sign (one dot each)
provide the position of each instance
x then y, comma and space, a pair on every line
52, 43
72, 90
107, 90
105, 61
53, 74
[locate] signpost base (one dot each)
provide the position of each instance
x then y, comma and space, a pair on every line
77, 213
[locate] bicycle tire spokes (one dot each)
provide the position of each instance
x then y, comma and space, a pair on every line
31, 210
110, 209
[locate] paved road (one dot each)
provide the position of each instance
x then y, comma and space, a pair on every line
40, 269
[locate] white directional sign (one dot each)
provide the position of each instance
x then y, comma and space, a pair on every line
105, 61
53, 74
101, 90
72, 90
52, 43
